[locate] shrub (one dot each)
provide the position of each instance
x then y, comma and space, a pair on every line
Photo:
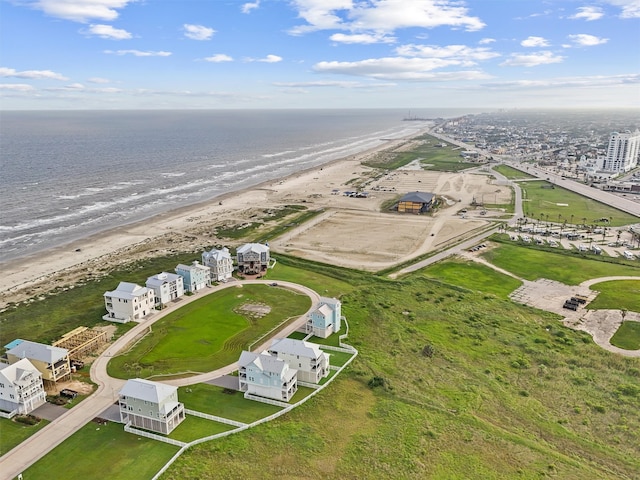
377, 382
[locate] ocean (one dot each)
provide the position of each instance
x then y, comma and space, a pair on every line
69, 174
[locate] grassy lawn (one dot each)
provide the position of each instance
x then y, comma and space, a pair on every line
208, 333
617, 295
473, 276
338, 359
213, 400
511, 173
564, 205
13, 433
193, 428
532, 264
105, 451
627, 336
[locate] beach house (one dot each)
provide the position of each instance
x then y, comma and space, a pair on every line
311, 363
416, 202
326, 318
266, 376
220, 263
150, 405
52, 362
128, 302
166, 287
21, 388
196, 276
252, 258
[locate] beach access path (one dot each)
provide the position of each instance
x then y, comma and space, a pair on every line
42, 442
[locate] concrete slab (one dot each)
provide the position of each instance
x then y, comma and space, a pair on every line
225, 381
49, 411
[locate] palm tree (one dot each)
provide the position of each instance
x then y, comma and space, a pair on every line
618, 235
572, 218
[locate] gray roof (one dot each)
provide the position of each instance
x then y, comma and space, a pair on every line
418, 197
15, 372
194, 266
264, 362
127, 291
154, 392
161, 279
39, 351
296, 347
217, 254
253, 247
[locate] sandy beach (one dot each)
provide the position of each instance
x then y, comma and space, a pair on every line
327, 238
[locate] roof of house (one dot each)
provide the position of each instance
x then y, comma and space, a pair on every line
217, 254
266, 363
16, 372
13, 343
161, 279
128, 291
418, 197
192, 267
332, 302
296, 347
154, 392
39, 351
324, 310
253, 247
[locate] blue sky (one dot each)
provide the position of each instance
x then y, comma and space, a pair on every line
135, 54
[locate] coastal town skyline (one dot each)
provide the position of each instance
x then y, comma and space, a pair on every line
121, 54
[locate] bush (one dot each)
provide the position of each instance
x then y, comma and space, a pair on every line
377, 382
27, 419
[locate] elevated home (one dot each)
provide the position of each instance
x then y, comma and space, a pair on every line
150, 405
128, 302
52, 362
253, 258
21, 387
196, 276
220, 264
266, 376
166, 287
416, 202
326, 318
311, 363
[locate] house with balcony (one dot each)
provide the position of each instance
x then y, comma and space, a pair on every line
52, 362
166, 287
311, 363
252, 258
150, 405
196, 276
326, 318
220, 263
128, 302
266, 376
21, 387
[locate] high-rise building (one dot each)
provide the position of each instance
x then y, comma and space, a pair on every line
622, 152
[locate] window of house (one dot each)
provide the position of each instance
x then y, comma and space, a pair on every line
1, 385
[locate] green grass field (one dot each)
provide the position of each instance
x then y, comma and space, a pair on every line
511, 173
627, 336
617, 295
99, 452
563, 205
13, 433
194, 428
208, 333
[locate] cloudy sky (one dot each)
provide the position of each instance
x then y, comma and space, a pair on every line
116, 54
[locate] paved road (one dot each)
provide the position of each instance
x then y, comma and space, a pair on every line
38, 445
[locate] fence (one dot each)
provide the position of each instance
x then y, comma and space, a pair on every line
214, 418
143, 433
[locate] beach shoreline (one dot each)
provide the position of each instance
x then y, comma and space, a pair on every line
45, 270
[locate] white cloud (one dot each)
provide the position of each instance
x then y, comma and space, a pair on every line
16, 87
586, 81
247, 7
588, 13
382, 16
535, 42
198, 32
270, 59
107, 31
33, 74
462, 54
630, 8
362, 38
80, 10
98, 80
585, 40
218, 58
332, 83
486, 41
532, 59
138, 53
400, 68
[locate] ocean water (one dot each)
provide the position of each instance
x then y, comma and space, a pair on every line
68, 174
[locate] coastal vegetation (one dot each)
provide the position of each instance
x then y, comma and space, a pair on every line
511, 173
627, 336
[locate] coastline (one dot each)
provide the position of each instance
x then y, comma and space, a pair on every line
175, 230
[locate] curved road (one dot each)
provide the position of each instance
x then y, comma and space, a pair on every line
39, 444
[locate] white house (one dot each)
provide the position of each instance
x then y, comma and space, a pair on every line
311, 362
52, 362
266, 376
128, 302
196, 276
253, 258
150, 405
166, 287
21, 387
326, 318
220, 263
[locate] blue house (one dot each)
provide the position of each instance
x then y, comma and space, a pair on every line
326, 318
196, 276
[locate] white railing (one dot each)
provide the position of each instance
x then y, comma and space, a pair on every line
214, 418
9, 415
270, 401
143, 433
307, 384
337, 349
